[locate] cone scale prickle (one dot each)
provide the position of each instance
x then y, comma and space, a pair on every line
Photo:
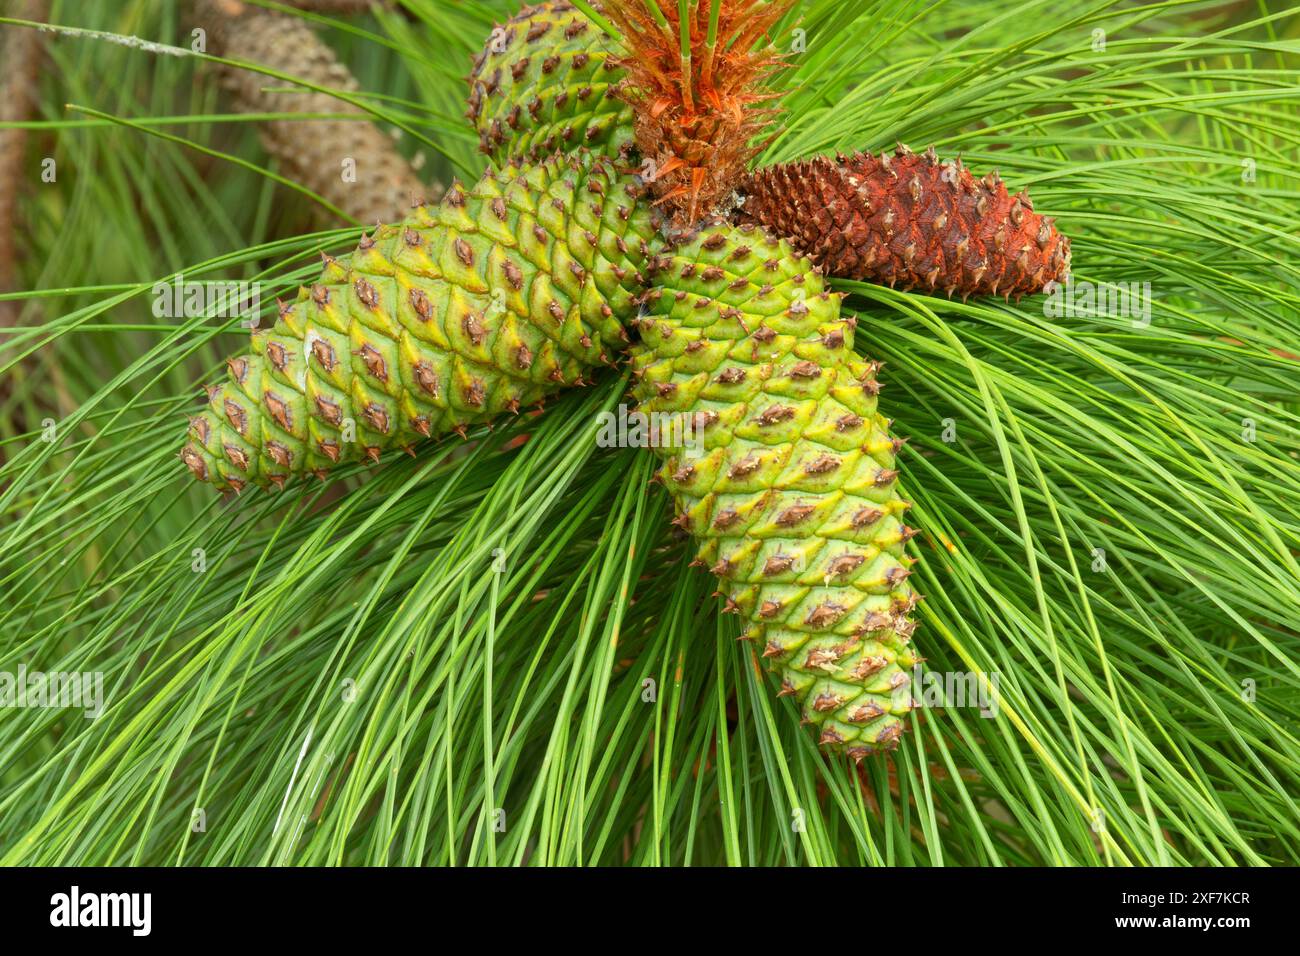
791, 492
494, 299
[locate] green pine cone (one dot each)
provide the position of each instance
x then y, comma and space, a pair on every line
790, 488
496, 298
545, 82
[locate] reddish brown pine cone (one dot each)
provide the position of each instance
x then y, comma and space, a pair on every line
908, 219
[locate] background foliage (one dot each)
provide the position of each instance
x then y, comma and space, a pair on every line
366, 671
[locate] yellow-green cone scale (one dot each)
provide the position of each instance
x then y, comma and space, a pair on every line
545, 82
791, 491
494, 299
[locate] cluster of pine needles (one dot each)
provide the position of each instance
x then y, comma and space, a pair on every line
495, 653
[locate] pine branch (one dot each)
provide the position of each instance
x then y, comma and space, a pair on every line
312, 152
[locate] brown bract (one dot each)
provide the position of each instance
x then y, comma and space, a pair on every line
697, 117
